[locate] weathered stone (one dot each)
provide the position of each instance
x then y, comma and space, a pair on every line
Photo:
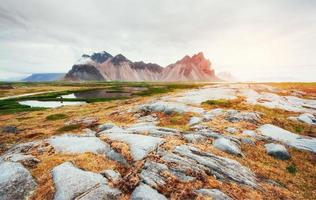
78, 144
111, 175
307, 118
215, 194
84, 121
287, 137
277, 150
140, 145
231, 130
27, 160
227, 146
169, 107
209, 115
247, 141
16, 182
145, 192
194, 137
9, 129
71, 183
105, 126
220, 167
195, 121
237, 116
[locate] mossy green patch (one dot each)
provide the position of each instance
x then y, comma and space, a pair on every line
56, 117
68, 128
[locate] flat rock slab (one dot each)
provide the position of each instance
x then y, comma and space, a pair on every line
16, 182
213, 193
81, 144
170, 107
140, 145
145, 192
191, 158
287, 137
208, 93
271, 100
227, 146
307, 118
71, 183
151, 129
76, 144
195, 120
277, 150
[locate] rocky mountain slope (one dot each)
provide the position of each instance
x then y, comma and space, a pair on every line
42, 77
103, 66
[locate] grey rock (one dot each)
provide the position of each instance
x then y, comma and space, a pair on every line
111, 175
169, 107
237, 116
77, 144
145, 192
250, 133
151, 174
84, 121
88, 133
287, 137
220, 167
27, 160
71, 183
213, 193
9, 129
16, 182
148, 118
277, 150
195, 121
227, 146
105, 126
231, 130
307, 118
247, 141
140, 145
151, 129
209, 115
194, 137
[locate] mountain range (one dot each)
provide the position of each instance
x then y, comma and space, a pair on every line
104, 66
42, 77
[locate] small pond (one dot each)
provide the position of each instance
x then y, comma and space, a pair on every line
50, 104
104, 93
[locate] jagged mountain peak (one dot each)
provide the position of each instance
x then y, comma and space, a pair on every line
189, 68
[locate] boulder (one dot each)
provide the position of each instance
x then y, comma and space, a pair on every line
169, 107
16, 182
105, 126
195, 120
231, 130
111, 175
74, 183
193, 159
78, 144
278, 151
194, 137
83, 121
288, 138
9, 129
227, 146
215, 194
237, 116
145, 192
307, 118
140, 145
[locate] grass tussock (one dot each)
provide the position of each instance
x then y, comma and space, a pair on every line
175, 120
70, 127
56, 117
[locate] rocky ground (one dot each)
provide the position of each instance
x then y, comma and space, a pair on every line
226, 141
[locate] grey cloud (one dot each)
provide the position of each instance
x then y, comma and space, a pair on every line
47, 36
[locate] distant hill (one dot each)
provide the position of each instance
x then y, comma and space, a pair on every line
104, 66
43, 77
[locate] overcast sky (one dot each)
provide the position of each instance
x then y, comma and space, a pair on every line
252, 39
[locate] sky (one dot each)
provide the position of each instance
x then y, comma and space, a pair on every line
255, 40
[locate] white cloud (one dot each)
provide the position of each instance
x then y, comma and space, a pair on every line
239, 36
